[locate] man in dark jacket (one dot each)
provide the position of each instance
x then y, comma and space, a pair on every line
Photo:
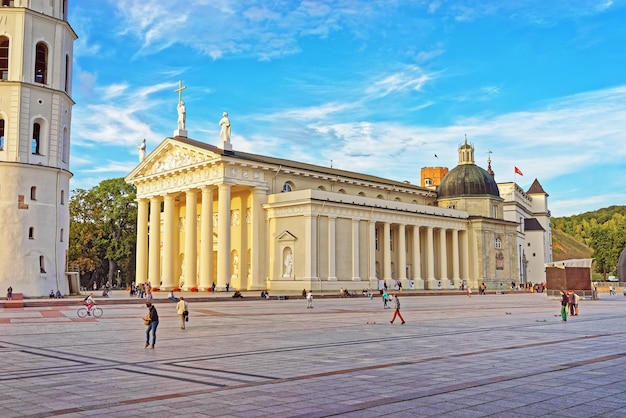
152, 325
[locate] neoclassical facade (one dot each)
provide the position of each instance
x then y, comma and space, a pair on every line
213, 215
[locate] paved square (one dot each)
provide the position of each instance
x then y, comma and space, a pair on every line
493, 355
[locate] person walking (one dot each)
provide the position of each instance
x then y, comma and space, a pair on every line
309, 299
385, 299
182, 308
563, 305
153, 323
576, 299
571, 301
396, 309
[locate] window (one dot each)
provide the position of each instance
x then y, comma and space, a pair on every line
498, 243
451, 206
4, 58
33, 193
61, 235
42, 264
428, 182
494, 210
36, 138
361, 194
342, 191
62, 197
31, 232
1, 134
67, 73
391, 240
41, 63
287, 187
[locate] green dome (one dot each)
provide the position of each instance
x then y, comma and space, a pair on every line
468, 180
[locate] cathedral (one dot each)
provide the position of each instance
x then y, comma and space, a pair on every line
36, 49
212, 216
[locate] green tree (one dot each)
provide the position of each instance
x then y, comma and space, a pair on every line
103, 232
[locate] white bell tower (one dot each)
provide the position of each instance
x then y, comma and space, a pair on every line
36, 48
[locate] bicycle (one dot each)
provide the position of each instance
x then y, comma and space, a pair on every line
96, 312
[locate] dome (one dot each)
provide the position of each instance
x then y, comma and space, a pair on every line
468, 180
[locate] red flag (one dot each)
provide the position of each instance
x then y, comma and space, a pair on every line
518, 171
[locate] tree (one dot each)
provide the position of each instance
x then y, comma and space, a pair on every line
103, 232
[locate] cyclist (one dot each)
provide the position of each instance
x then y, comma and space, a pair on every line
89, 302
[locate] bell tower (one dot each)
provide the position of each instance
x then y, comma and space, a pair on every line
36, 49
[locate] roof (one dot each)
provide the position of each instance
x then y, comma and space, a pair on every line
536, 188
532, 224
468, 180
280, 162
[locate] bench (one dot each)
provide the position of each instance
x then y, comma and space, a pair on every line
17, 302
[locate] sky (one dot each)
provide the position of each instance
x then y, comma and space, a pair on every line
382, 87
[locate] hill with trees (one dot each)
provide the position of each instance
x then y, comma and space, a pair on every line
602, 231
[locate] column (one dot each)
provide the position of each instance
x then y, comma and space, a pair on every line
223, 236
310, 248
141, 269
371, 225
386, 251
455, 259
465, 273
332, 256
417, 261
206, 239
257, 249
191, 239
154, 238
355, 251
167, 277
431, 282
443, 259
402, 255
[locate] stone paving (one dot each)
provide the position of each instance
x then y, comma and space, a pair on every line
485, 356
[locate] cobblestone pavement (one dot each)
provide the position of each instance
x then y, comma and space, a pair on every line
494, 355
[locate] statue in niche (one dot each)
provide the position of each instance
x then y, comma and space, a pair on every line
288, 264
235, 265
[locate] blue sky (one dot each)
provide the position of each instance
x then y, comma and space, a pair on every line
375, 86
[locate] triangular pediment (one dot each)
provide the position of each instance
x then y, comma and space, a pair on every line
286, 236
170, 156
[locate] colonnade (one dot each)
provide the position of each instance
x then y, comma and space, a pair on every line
159, 249
438, 256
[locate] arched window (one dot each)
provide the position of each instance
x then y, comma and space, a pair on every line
498, 243
322, 188
342, 191
4, 58
31, 232
33, 193
41, 63
288, 187
36, 138
1, 134
361, 194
